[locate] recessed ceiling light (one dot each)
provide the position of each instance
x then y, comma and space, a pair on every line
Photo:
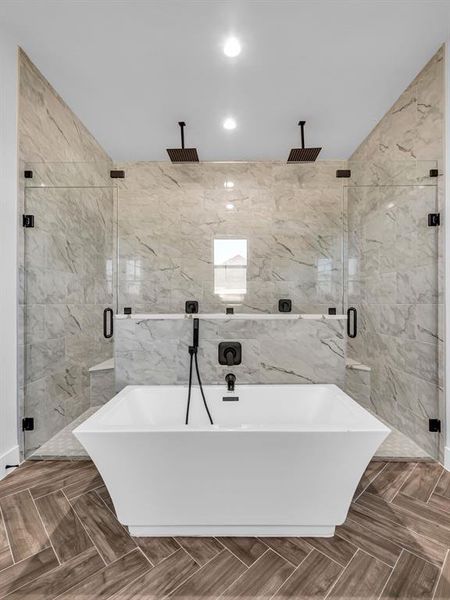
229, 206
232, 47
228, 184
229, 123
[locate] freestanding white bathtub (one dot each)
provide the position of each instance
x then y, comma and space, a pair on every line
281, 460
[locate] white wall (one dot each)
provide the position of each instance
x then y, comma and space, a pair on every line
447, 253
9, 450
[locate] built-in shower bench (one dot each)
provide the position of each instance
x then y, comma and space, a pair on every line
101, 382
357, 381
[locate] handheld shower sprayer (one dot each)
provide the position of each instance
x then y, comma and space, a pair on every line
195, 333
193, 350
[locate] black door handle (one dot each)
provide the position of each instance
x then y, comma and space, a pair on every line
108, 332
352, 323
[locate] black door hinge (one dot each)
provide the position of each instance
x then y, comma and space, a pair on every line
346, 173
28, 424
435, 425
434, 219
117, 174
28, 174
28, 220
434, 173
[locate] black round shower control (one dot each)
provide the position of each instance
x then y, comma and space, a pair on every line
191, 307
284, 305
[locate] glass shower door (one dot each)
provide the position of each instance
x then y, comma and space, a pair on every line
68, 280
392, 280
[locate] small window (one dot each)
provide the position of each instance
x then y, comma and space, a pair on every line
230, 269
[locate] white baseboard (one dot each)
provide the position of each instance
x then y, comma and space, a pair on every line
11, 457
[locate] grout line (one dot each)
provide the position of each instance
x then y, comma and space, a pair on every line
190, 576
363, 549
436, 484
341, 574
101, 570
411, 513
143, 554
391, 573
23, 585
172, 553
177, 550
333, 559
410, 531
243, 573
123, 589
280, 555
208, 561
27, 487
353, 555
219, 542
402, 481
3, 520
441, 574
75, 472
94, 489
294, 571
45, 528
240, 559
187, 552
85, 529
370, 483
97, 494
409, 476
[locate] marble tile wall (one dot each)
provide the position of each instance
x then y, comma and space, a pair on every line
273, 351
65, 261
395, 261
290, 215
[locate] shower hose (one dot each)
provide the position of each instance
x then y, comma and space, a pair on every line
194, 360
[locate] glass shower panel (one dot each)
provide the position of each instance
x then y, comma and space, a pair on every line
68, 276
392, 260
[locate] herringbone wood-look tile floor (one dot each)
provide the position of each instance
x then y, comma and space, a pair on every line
59, 538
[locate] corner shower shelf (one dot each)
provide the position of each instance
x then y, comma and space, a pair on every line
235, 316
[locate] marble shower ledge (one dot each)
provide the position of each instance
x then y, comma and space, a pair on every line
236, 316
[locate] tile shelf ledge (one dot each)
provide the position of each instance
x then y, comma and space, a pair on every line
235, 316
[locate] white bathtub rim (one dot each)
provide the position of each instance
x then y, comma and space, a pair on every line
91, 424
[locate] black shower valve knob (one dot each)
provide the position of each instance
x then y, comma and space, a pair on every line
285, 305
191, 307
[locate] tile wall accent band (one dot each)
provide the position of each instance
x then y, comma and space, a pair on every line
234, 317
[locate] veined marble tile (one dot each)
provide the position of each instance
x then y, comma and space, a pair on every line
283, 351
66, 264
169, 216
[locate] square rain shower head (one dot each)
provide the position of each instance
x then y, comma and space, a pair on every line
302, 155
183, 155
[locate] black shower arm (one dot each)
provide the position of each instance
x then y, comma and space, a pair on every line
302, 132
182, 125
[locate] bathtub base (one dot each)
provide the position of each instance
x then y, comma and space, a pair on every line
232, 531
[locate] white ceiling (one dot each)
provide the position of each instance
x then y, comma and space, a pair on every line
131, 69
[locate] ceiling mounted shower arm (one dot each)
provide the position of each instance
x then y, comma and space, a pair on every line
303, 154
182, 155
302, 132
182, 125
